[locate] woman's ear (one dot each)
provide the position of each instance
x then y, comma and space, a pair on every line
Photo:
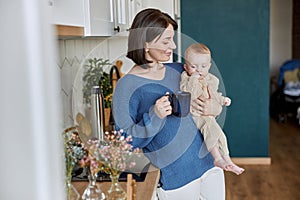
146, 47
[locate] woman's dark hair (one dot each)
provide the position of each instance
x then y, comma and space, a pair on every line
146, 26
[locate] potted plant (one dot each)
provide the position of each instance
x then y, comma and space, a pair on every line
95, 73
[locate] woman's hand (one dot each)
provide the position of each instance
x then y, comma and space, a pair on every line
207, 106
162, 107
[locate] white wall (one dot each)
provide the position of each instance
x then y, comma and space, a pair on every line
280, 33
73, 53
30, 149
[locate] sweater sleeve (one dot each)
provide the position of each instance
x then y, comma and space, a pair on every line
213, 89
126, 105
184, 81
191, 84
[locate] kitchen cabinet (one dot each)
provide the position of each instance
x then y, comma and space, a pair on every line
108, 17
101, 17
97, 17
137, 5
165, 6
121, 11
67, 12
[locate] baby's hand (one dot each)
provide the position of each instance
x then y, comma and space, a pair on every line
196, 75
227, 101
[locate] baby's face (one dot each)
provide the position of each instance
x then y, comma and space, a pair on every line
199, 64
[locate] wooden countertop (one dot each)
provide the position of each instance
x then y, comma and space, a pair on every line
144, 190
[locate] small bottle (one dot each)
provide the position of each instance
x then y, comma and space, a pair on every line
98, 117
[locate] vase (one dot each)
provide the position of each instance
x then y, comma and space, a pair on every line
93, 192
72, 193
115, 192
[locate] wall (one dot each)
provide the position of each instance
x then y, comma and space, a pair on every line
72, 55
280, 34
296, 29
31, 150
237, 33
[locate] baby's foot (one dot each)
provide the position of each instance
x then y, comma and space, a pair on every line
228, 166
235, 169
221, 163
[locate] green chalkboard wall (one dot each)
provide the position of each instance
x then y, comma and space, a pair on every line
237, 32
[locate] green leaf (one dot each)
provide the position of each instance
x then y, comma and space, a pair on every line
95, 74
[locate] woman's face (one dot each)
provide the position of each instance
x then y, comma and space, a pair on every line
161, 48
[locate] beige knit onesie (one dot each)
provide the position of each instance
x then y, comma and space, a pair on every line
210, 129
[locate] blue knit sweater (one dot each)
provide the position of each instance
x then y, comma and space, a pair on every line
172, 144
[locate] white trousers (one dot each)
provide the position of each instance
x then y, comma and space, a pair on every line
210, 186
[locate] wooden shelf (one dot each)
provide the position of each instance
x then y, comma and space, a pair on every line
69, 31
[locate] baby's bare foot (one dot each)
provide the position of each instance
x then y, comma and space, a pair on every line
228, 166
235, 169
221, 163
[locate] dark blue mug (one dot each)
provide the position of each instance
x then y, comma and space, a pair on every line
180, 103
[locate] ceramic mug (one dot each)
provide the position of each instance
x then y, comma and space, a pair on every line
180, 103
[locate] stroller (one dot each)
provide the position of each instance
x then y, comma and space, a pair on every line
286, 99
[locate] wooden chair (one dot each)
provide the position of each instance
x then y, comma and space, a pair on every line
131, 188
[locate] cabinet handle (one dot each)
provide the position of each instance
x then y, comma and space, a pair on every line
117, 29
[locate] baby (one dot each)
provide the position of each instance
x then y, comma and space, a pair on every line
197, 80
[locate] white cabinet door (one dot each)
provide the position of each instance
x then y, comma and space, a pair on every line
96, 16
106, 17
103, 17
136, 6
99, 17
67, 12
121, 9
165, 5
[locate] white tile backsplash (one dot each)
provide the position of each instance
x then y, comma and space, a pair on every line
72, 55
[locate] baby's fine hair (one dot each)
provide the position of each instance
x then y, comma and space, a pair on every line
197, 48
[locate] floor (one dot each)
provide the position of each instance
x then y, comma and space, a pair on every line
278, 181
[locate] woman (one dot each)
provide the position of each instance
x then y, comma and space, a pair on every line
143, 110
